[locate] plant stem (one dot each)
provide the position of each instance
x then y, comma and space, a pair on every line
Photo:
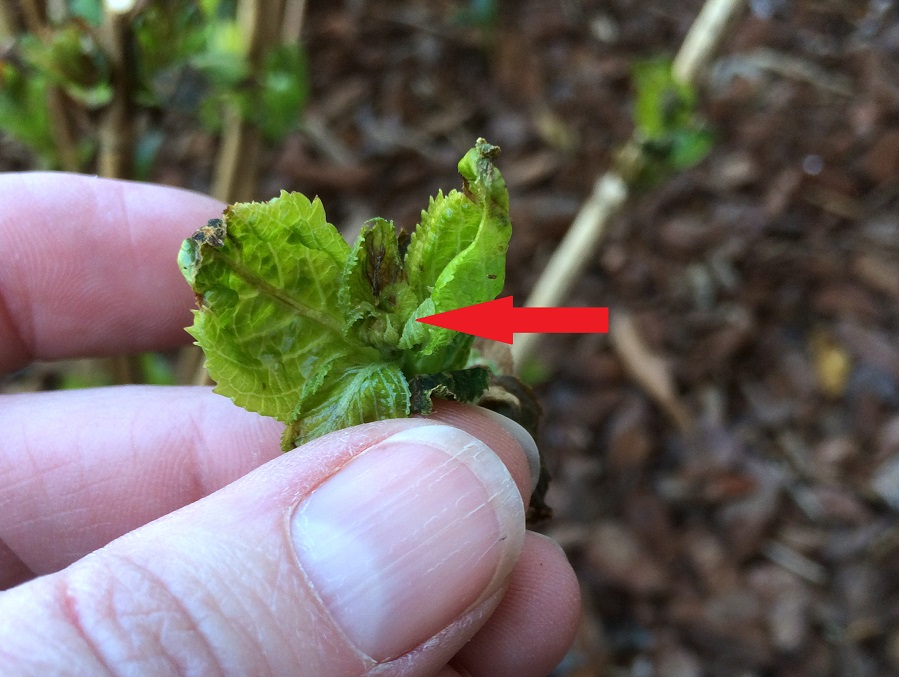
568, 261
116, 130
116, 138
237, 167
703, 39
292, 24
610, 192
33, 14
61, 128
8, 28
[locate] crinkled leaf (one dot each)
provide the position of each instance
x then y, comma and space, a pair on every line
447, 227
457, 255
265, 277
359, 394
374, 296
297, 325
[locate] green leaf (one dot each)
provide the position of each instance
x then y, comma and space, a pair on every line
297, 325
157, 370
23, 111
358, 394
483, 13
210, 8
265, 277
689, 147
283, 90
72, 59
671, 132
457, 255
663, 105
374, 294
89, 10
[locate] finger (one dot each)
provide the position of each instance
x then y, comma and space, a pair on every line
80, 468
536, 622
384, 547
89, 266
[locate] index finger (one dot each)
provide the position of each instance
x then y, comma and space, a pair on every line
88, 266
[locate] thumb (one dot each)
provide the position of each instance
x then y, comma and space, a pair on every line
353, 552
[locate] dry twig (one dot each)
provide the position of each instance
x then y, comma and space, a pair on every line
703, 38
610, 191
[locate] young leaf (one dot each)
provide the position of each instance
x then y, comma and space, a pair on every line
265, 277
457, 255
71, 59
297, 325
374, 294
358, 394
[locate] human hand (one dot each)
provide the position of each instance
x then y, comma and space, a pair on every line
160, 531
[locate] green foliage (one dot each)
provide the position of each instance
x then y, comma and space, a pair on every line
194, 57
666, 119
534, 372
167, 35
283, 91
72, 60
90, 11
77, 377
465, 385
157, 369
146, 148
190, 57
297, 325
69, 59
23, 112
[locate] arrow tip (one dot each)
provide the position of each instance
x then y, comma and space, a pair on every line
490, 320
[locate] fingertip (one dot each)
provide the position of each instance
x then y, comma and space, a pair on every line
524, 439
429, 513
478, 422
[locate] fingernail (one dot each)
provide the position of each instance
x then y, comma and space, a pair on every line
524, 439
409, 536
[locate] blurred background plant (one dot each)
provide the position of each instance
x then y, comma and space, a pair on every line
197, 59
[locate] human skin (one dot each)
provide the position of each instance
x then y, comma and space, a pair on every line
148, 530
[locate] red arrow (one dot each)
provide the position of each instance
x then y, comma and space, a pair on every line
498, 320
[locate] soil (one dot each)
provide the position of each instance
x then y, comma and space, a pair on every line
755, 532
